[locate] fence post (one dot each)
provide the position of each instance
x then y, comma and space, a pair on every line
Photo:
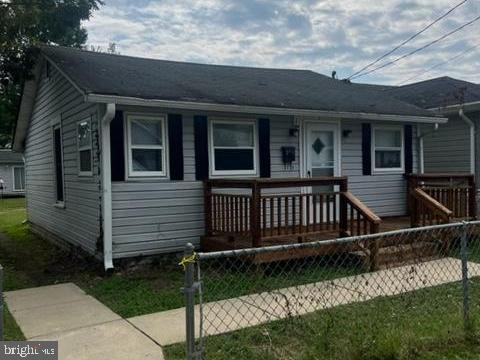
1, 303
465, 290
189, 291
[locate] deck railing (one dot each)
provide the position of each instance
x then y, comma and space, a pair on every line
253, 213
439, 198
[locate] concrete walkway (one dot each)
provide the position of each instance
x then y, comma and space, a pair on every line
245, 311
84, 327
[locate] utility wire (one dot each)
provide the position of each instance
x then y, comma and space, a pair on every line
418, 49
463, 53
408, 40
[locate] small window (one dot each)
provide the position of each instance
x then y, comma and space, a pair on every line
233, 148
146, 146
18, 178
84, 142
388, 148
58, 159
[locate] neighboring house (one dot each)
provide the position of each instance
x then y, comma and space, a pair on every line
117, 147
454, 146
12, 173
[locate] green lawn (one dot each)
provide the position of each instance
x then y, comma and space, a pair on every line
425, 324
134, 290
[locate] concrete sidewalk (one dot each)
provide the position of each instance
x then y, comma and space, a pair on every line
250, 310
84, 327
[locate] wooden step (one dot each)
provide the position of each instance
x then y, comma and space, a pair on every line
401, 254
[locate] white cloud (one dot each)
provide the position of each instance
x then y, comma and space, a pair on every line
317, 35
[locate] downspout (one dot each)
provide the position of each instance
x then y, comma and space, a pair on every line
471, 124
107, 187
421, 149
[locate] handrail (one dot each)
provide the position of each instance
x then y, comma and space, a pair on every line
431, 204
265, 183
454, 191
361, 207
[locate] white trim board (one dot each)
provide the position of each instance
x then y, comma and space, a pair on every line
200, 106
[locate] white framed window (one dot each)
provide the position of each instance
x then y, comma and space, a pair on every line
388, 149
146, 145
84, 147
18, 178
233, 147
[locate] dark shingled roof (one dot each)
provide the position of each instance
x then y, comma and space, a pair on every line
438, 92
127, 76
9, 157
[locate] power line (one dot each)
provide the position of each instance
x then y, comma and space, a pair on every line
408, 40
439, 64
419, 49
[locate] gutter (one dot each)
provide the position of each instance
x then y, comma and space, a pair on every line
454, 109
471, 124
107, 186
201, 106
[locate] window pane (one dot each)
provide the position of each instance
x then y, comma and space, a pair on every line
388, 138
19, 178
233, 135
146, 132
147, 159
234, 159
387, 159
86, 160
84, 134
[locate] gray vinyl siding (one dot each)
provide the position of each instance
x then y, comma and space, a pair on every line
6, 174
77, 223
158, 215
448, 148
384, 193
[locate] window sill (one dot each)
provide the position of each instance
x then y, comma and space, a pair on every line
388, 171
59, 205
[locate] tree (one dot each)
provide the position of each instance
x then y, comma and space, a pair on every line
24, 24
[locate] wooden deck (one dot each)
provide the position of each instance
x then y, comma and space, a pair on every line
222, 242
267, 212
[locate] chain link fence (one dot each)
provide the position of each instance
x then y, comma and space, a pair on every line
374, 296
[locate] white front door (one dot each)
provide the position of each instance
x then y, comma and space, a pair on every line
321, 151
322, 158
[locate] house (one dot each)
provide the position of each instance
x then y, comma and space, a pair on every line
130, 156
454, 146
12, 173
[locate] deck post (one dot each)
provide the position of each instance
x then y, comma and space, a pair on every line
472, 201
374, 247
255, 217
207, 198
343, 221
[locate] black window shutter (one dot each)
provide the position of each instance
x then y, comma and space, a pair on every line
175, 146
264, 147
366, 149
408, 133
200, 128
117, 147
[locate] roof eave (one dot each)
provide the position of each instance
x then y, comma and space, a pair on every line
26, 108
200, 106
453, 109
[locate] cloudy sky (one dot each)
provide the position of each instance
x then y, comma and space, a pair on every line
318, 35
